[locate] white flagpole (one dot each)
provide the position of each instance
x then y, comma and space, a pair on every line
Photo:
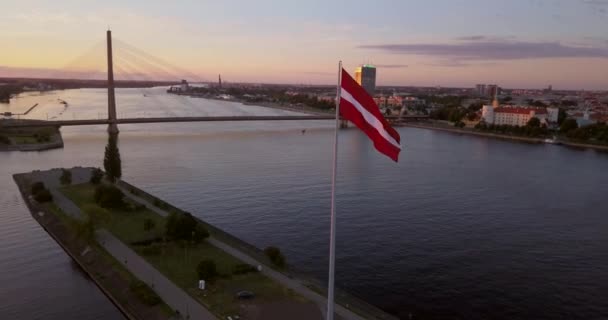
332, 232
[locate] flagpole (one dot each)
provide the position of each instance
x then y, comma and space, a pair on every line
332, 232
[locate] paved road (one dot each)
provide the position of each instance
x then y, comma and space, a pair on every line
293, 284
50, 178
174, 296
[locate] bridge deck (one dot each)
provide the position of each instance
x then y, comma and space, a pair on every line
59, 123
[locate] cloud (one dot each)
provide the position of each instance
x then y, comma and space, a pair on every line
391, 66
472, 38
600, 6
493, 50
319, 73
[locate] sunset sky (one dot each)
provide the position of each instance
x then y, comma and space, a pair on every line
516, 44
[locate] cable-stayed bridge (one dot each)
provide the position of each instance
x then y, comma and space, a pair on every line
134, 64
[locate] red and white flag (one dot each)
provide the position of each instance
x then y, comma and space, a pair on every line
358, 107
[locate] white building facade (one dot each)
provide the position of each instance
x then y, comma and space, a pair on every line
517, 115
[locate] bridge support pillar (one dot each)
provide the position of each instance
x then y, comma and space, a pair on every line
113, 128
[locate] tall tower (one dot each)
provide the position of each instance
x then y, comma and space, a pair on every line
112, 127
365, 75
219, 77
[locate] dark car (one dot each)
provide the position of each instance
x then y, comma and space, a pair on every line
245, 295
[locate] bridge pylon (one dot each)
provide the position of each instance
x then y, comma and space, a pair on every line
112, 127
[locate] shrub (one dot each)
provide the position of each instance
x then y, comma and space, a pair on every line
37, 187
4, 139
149, 224
568, 125
109, 196
66, 176
144, 293
206, 270
96, 176
42, 137
200, 233
153, 249
185, 227
243, 268
43, 196
96, 213
275, 256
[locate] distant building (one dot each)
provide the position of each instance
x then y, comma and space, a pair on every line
487, 90
365, 75
184, 86
492, 90
517, 115
389, 101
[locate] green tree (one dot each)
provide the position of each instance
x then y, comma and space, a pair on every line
149, 224
111, 161
206, 270
275, 256
534, 122
96, 176
567, 125
66, 176
109, 196
37, 187
4, 139
184, 227
43, 196
561, 116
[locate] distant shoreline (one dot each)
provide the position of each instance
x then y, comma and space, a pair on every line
506, 137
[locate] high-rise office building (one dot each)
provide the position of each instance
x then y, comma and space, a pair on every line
365, 75
480, 90
492, 90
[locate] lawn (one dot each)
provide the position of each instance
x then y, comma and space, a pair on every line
24, 140
127, 225
178, 261
117, 269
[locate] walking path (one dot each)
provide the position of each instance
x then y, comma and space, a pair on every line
279, 277
174, 296
171, 294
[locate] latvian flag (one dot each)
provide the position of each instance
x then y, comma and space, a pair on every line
358, 107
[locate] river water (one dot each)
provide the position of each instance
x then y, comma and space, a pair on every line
461, 228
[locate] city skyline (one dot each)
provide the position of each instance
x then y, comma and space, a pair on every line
528, 44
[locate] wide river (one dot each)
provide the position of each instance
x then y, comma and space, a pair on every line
461, 228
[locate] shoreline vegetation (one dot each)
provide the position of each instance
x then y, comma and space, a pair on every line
451, 129
83, 212
300, 103
29, 139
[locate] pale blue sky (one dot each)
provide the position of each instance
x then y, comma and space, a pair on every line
517, 43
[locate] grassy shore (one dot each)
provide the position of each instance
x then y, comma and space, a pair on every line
178, 261
26, 139
108, 274
114, 269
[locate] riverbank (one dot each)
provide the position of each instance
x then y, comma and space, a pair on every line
29, 139
267, 104
114, 281
503, 136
